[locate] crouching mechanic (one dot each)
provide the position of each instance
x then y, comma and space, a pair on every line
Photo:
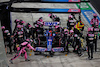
24, 45
90, 42
70, 39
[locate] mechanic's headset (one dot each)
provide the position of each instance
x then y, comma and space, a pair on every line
40, 17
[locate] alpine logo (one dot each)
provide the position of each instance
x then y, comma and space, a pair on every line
74, 0
49, 39
50, 23
74, 10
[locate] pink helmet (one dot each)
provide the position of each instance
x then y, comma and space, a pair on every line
65, 30
94, 14
37, 25
6, 31
29, 40
70, 16
21, 21
56, 26
19, 26
71, 31
24, 43
90, 29
17, 20
3, 27
49, 15
29, 25
75, 35
66, 33
40, 20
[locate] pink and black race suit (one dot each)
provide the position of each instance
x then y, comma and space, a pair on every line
94, 22
20, 36
52, 16
96, 30
70, 23
90, 37
22, 50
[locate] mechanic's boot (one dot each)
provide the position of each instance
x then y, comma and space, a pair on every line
11, 61
22, 55
74, 51
27, 60
79, 54
10, 52
89, 58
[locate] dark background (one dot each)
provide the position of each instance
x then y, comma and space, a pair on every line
96, 5
5, 17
